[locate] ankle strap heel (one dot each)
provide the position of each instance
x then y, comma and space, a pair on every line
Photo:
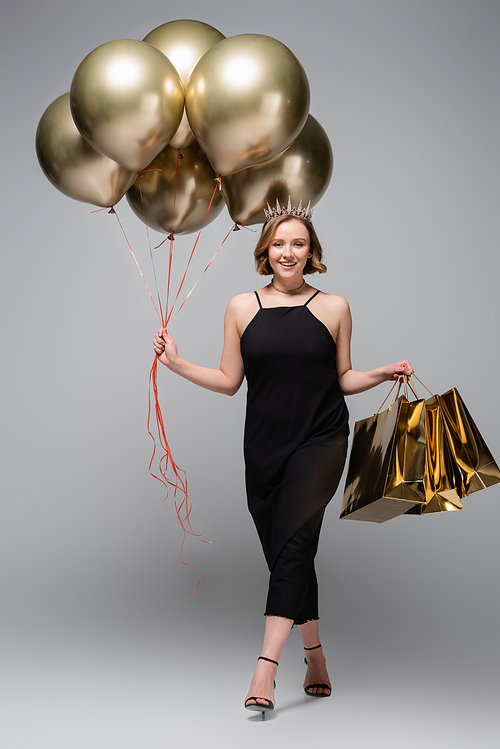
312, 689
251, 702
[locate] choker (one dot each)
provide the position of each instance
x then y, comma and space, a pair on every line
292, 291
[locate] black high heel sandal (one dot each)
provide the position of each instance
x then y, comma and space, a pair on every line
269, 705
316, 686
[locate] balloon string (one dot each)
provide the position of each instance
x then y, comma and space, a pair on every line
138, 266
171, 245
179, 484
169, 314
149, 239
207, 267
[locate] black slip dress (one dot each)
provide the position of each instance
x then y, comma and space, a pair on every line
296, 425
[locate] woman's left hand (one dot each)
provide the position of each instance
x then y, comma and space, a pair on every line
394, 371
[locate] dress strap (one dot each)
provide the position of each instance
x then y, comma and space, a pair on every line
258, 299
311, 298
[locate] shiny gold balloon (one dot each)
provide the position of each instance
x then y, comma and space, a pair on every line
183, 42
127, 101
246, 101
195, 186
303, 171
72, 165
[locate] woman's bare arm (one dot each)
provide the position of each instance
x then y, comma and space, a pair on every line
352, 381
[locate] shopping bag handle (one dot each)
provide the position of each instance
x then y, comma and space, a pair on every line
404, 380
425, 386
395, 394
412, 387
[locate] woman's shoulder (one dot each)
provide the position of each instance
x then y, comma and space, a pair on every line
241, 307
333, 310
333, 302
240, 310
242, 301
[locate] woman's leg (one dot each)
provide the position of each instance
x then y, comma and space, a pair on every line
293, 589
316, 663
262, 685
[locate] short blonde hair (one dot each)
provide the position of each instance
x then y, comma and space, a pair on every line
314, 263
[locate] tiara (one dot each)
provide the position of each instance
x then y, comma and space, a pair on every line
305, 213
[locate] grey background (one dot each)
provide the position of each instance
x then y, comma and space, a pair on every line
101, 644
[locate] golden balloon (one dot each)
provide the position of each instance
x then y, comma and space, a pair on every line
246, 101
303, 171
195, 187
72, 165
184, 42
127, 101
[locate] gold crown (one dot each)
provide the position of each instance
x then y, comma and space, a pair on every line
305, 213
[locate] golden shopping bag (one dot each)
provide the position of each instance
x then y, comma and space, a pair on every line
385, 477
477, 467
458, 461
442, 480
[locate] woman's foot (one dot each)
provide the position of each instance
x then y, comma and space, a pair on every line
317, 682
261, 692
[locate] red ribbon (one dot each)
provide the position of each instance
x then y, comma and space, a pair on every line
189, 260
167, 471
179, 481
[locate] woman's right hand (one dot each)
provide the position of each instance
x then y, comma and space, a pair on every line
165, 347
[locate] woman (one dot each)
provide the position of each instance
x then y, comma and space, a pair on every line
292, 343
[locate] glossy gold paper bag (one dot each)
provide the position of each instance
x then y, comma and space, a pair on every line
477, 467
442, 480
387, 464
458, 462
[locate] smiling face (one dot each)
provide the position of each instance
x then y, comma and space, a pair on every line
272, 229
289, 249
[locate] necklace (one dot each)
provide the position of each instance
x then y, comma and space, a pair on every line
292, 291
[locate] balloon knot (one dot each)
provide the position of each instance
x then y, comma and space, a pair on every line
111, 210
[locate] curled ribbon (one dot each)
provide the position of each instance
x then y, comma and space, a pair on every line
167, 471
